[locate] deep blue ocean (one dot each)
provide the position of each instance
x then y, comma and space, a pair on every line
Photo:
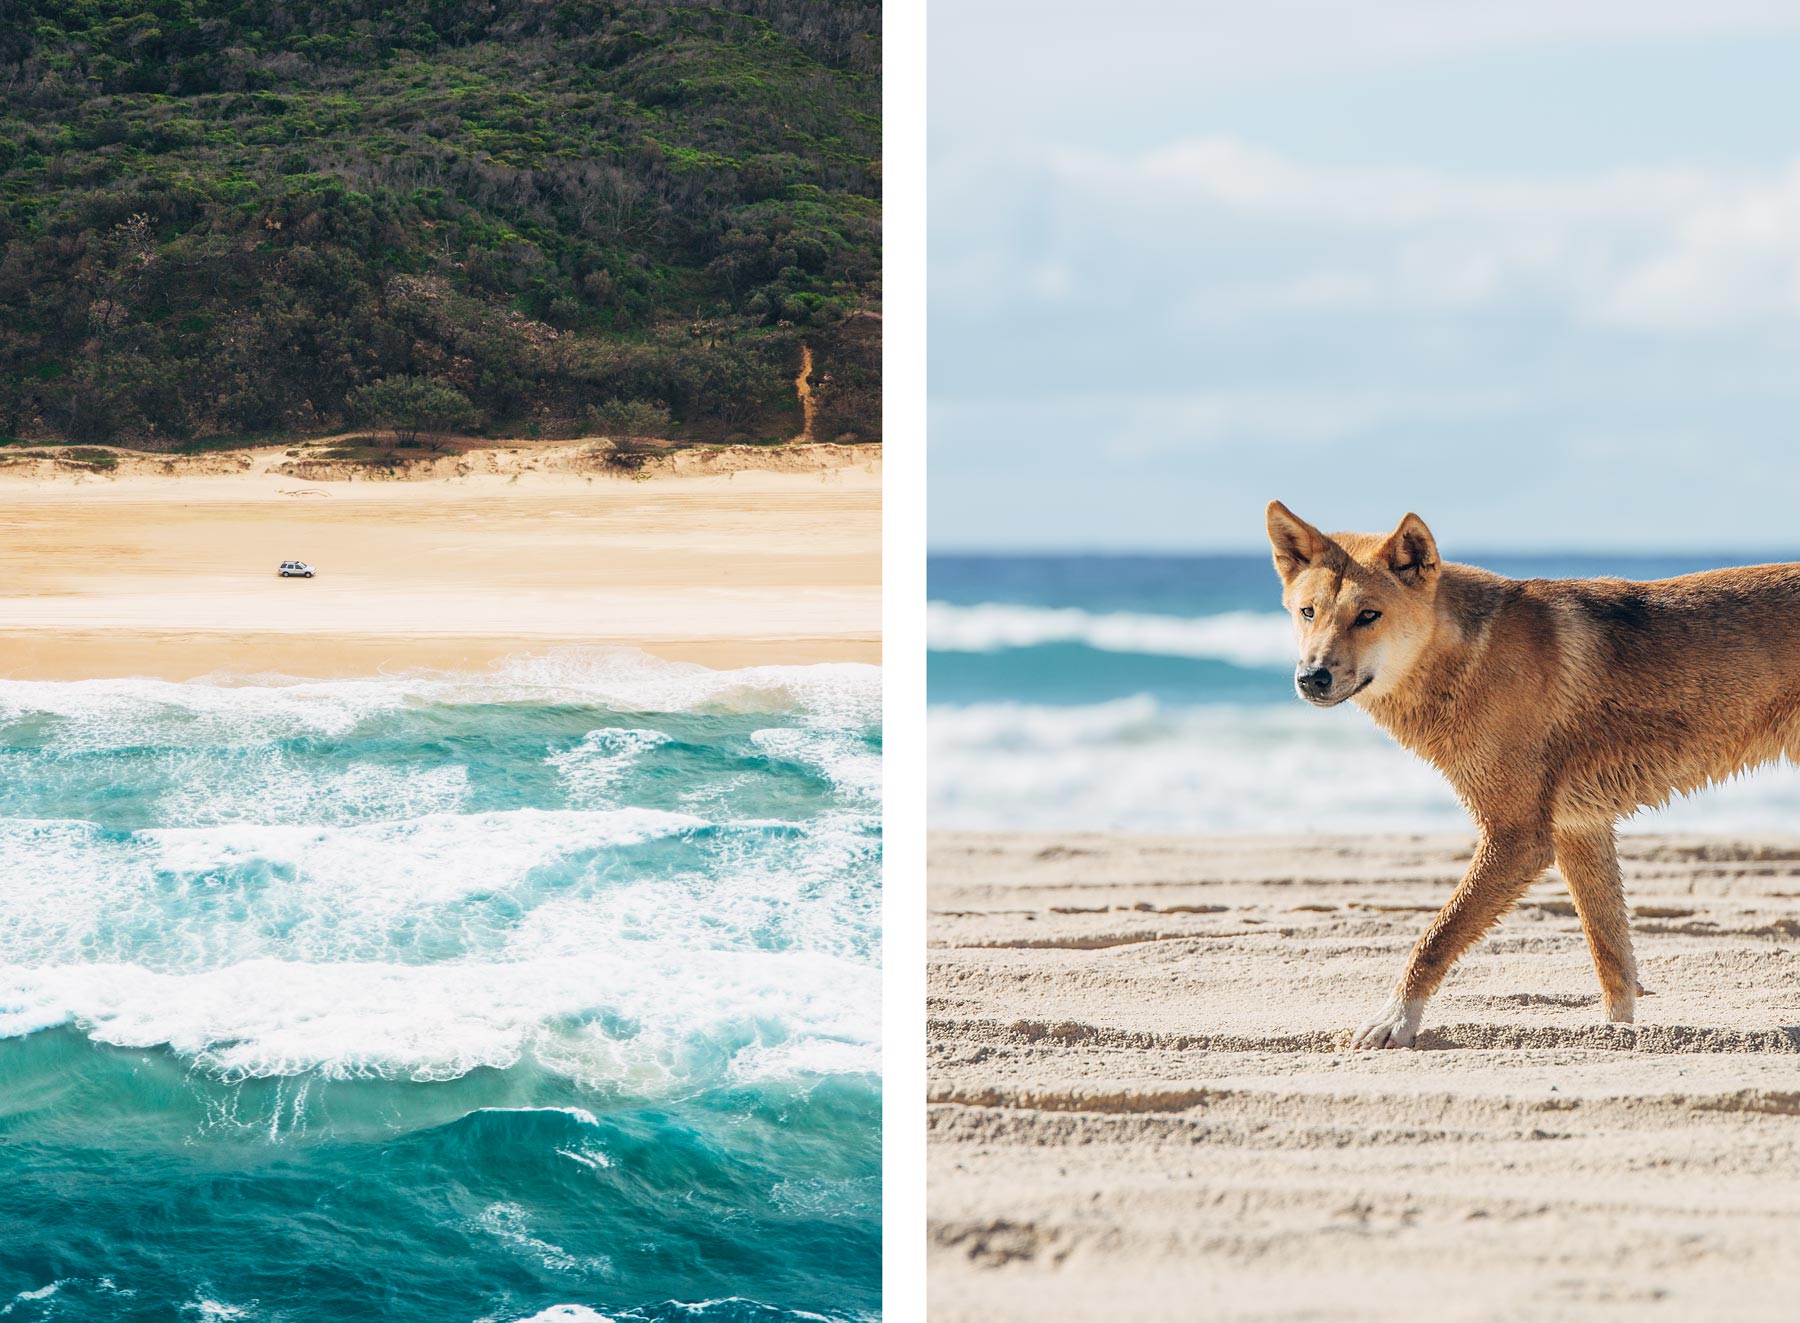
552, 993
1155, 693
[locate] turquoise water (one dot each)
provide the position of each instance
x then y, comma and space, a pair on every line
552, 993
1155, 693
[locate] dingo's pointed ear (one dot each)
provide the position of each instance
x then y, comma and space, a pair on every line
1296, 543
1411, 551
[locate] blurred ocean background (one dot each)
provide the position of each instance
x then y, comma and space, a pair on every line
1154, 693
550, 993
1466, 260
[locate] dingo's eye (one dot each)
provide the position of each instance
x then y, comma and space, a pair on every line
1306, 613
1368, 617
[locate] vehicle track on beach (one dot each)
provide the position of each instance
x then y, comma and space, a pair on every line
1140, 1102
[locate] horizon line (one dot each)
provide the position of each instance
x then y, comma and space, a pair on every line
1198, 552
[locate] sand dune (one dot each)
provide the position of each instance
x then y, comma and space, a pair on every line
1140, 1106
174, 575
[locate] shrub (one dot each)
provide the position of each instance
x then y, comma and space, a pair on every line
631, 454
415, 409
632, 418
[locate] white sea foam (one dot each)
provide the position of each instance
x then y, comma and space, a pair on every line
1243, 638
41, 1293
409, 937
592, 1159
59, 883
266, 784
208, 1310
580, 1114
769, 885
735, 1303
438, 856
640, 1022
799, 1059
842, 758
567, 1314
1136, 765
594, 769
510, 1224
177, 897
260, 709
755, 963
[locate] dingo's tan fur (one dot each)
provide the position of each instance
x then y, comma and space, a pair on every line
1554, 707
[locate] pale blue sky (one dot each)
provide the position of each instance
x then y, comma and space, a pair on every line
1533, 271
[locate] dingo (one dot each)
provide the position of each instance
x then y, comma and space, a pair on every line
1553, 706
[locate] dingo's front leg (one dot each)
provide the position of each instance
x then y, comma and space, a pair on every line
1590, 864
1505, 863
1394, 1025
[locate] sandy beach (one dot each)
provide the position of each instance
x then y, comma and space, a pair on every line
168, 568
1140, 1106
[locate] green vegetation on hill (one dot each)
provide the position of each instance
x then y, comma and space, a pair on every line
236, 217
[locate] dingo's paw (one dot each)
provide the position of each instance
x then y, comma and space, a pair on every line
1395, 1025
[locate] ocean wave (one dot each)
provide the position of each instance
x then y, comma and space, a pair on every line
38, 1293
518, 881
207, 1310
510, 1225
580, 1115
639, 1023
841, 757
1243, 638
732, 1309
438, 886
105, 714
441, 853
584, 951
601, 763
267, 784
442, 886
1138, 765
567, 1314
432, 947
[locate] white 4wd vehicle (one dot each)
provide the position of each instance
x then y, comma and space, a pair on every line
296, 569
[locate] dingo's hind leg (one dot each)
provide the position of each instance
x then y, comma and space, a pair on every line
1589, 861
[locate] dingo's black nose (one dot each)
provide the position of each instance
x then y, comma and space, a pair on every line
1314, 682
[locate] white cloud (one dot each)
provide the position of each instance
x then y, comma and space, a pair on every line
1228, 172
1213, 227
1298, 418
1137, 425
1734, 257
1196, 254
